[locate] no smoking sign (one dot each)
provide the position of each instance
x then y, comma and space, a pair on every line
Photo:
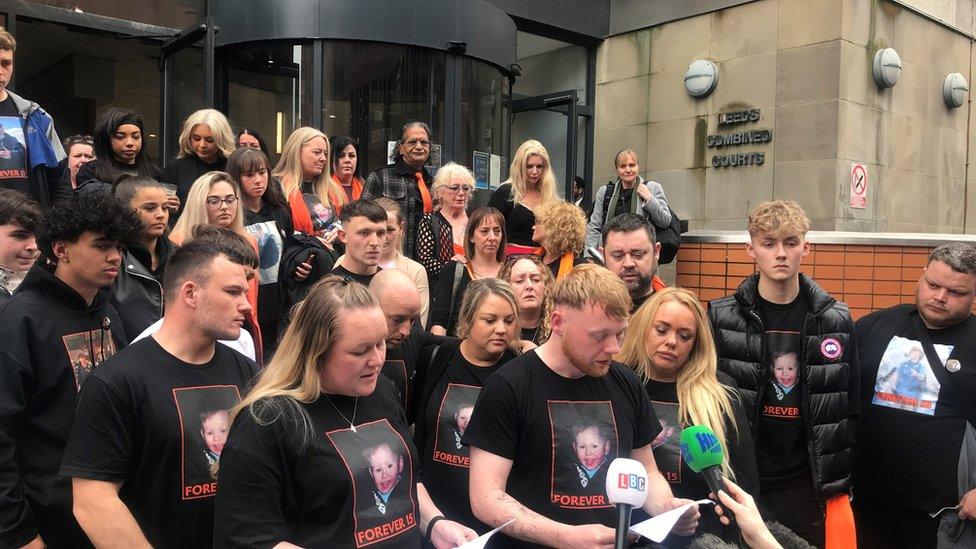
859, 186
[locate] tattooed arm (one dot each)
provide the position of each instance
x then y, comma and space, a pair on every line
493, 506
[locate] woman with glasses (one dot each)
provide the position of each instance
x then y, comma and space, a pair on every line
440, 235
345, 166
532, 283
215, 199
531, 183
484, 250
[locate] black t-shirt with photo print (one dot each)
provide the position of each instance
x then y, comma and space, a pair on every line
158, 425
270, 227
686, 483
781, 442
327, 486
13, 152
561, 434
444, 457
911, 425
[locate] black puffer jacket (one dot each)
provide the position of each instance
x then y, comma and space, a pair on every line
830, 401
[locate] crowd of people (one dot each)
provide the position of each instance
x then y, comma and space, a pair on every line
235, 352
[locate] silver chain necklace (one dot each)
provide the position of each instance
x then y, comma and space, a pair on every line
355, 406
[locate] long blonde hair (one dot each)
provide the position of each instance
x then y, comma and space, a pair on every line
223, 135
702, 400
294, 372
195, 209
289, 168
547, 183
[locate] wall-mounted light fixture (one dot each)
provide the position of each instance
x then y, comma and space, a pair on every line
954, 90
701, 78
886, 68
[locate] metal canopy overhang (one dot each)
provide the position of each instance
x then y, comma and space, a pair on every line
469, 27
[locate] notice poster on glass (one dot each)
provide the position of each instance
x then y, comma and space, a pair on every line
494, 171
479, 165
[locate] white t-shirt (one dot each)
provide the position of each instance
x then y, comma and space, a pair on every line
243, 344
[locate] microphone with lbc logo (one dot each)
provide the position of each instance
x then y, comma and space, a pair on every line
702, 451
626, 488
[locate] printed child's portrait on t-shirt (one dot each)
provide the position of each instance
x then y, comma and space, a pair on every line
204, 421
12, 147
86, 350
905, 379
584, 443
323, 216
784, 363
453, 416
381, 469
667, 444
270, 246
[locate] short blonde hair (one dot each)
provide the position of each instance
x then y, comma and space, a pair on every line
475, 296
446, 174
223, 135
779, 218
589, 285
565, 227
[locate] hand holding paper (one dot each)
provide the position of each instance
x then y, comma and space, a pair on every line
482, 540
658, 528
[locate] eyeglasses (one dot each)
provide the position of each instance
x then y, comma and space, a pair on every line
414, 142
214, 202
455, 188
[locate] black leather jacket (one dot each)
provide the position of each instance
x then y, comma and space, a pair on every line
138, 293
829, 374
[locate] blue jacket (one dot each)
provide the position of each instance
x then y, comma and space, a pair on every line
44, 150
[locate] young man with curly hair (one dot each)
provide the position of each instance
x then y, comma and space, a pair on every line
803, 423
55, 329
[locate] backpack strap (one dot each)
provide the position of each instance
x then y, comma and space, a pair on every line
458, 271
607, 197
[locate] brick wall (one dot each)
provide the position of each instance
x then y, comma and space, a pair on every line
867, 278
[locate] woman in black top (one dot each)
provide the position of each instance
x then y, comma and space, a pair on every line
138, 290
560, 230
484, 250
530, 184
118, 140
488, 332
268, 219
320, 454
532, 283
206, 141
440, 235
669, 342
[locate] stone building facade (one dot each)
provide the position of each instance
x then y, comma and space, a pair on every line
806, 67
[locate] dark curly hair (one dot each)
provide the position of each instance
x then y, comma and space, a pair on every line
98, 213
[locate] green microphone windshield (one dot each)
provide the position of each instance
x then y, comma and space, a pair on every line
700, 448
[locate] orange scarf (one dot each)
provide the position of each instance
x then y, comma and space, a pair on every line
300, 218
565, 262
339, 201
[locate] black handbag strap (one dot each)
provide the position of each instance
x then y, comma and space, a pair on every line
945, 377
